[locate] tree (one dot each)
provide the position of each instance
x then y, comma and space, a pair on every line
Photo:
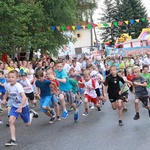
122, 10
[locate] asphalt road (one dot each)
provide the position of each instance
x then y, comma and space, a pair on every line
97, 131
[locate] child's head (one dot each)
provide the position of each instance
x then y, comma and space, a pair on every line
86, 75
129, 71
113, 70
71, 71
120, 73
59, 64
23, 76
13, 77
50, 74
1, 74
89, 67
7, 78
145, 69
40, 75
136, 71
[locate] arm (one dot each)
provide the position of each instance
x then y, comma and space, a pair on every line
22, 94
144, 84
5, 97
63, 80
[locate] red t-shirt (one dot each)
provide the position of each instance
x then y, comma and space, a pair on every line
130, 77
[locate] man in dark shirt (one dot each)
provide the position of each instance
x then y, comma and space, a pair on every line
114, 92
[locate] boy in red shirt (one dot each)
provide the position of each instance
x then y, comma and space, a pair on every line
50, 75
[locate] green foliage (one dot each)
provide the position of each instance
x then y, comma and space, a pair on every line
122, 10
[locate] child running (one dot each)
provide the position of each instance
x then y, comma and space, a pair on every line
50, 75
90, 93
114, 92
44, 93
19, 106
139, 89
65, 90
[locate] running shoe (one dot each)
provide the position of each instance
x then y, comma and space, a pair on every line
76, 115
149, 112
64, 115
52, 120
58, 118
136, 117
124, 110
120, 123
70, 109
35, 114
85, 114
92, 107
53, 112
7, 124
98, 108
78, 103
11, 143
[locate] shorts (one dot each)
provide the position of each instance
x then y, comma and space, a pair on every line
90, 99
98, 92
114, 98
54, 100
124, 95
69, 96
25, 115
144, 100
30, 96
44, 101
148, 90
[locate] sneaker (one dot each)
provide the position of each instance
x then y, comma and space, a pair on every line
76, 115
70, 109
85, 114
35, 114
53, 112
136, 117
7, 124
124, 110
98, 108
64, 115
92, 107
58, 118
1, 110
11, 143
1, 122
120, 123
52, 120
78, 103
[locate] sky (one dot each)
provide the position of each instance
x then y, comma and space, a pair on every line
145, 2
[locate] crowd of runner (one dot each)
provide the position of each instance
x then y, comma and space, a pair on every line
71, 81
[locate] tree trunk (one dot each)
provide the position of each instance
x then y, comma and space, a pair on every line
31, 54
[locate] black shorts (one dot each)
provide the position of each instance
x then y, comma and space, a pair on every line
114, 98
144, 100
98, 92
124, 95
30, 96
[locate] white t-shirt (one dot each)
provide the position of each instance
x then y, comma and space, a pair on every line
6, 85
147, 62
94, 74
77, 68
66, 67
14, 94
26, 83
30, 77
91, 93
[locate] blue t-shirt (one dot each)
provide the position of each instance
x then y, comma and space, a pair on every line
2, 89
44, 87
63, 86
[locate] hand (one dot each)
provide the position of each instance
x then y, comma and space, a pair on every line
120, 92
19, 110
104, 98
135, 83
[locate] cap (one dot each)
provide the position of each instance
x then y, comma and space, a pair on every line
23, 74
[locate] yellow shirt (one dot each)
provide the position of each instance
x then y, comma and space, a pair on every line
10, 68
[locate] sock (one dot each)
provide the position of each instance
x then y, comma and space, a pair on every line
137, 113
86, 110
120, 121
57, 116
65, 110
